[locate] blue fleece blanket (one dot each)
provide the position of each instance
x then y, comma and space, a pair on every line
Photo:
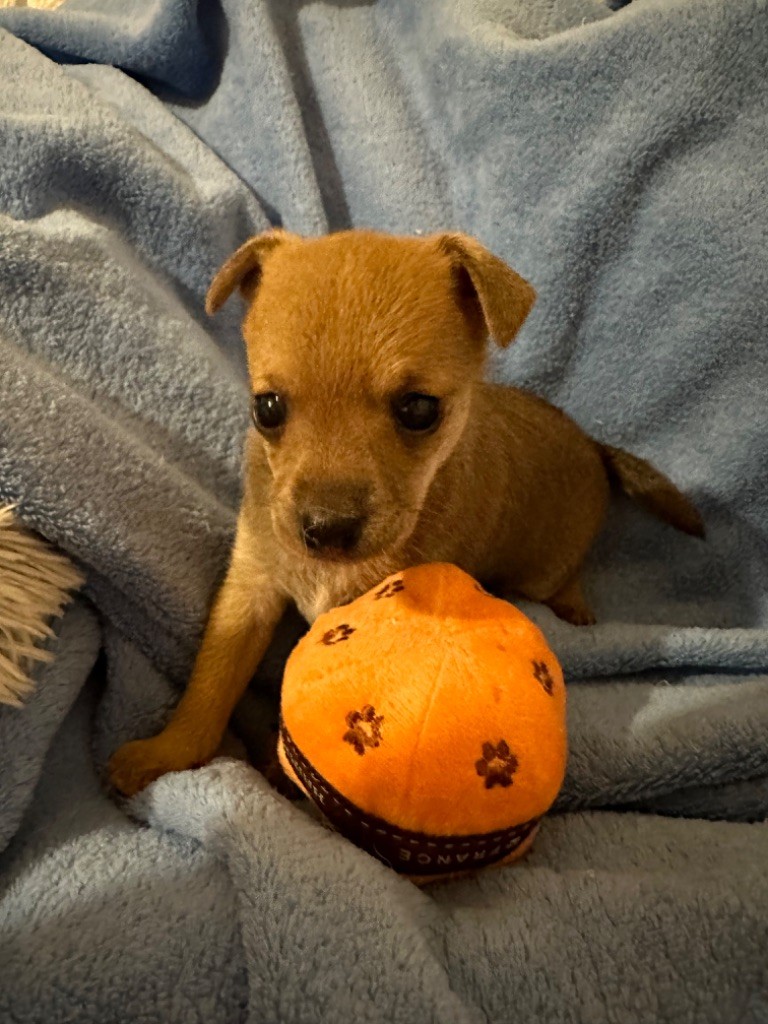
617, 160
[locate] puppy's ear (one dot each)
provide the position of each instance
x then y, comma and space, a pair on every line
505, 299
243, 269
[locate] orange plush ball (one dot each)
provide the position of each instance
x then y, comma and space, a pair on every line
426, 720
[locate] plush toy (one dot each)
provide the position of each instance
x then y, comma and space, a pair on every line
426, 720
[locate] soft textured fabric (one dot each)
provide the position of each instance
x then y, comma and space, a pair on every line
618, 161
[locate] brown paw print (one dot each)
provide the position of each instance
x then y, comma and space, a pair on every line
497, 765
389, 589
364, 728
337, 634
542, 675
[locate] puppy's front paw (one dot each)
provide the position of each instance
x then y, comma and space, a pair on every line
579, 616
570, 604
140, 762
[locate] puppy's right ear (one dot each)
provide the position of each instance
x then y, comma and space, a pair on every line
243, 269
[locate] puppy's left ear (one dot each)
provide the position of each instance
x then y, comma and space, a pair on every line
504, 297
243, 269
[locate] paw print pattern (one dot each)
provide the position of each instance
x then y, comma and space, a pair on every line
497, 765
364, 728
542, 675
389, 589
337, 634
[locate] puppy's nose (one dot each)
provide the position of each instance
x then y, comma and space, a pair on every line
337, 533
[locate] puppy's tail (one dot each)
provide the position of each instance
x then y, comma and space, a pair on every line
651, 490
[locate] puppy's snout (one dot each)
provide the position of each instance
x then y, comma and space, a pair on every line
331, 515
335, 533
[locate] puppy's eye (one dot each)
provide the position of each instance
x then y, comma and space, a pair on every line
269, 411
417, 412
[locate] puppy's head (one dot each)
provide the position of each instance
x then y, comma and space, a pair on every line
363, 349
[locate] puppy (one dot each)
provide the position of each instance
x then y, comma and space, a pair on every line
376, 445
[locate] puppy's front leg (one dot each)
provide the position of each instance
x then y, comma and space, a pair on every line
243, 618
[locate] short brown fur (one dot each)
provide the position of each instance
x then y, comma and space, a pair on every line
507, 487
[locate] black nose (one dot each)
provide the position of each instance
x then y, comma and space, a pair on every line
337, 533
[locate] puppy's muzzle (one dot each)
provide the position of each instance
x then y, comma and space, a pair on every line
338, 533
331, 516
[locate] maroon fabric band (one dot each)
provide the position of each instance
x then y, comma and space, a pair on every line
411, 853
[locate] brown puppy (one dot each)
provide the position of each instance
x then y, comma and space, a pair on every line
376, 446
